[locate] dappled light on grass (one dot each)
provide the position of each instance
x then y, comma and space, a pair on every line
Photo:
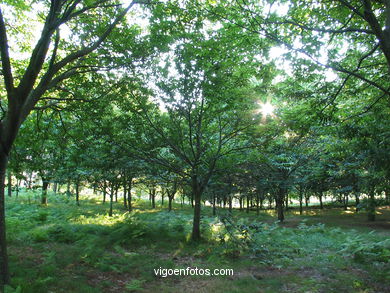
270, 212
100, 219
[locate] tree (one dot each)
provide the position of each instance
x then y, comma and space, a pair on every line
53, 60
351, 38
208, 101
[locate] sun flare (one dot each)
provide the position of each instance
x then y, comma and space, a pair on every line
267, 109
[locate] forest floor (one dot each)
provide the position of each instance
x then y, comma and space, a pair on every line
67, 248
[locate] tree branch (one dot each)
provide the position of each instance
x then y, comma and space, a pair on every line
5, 60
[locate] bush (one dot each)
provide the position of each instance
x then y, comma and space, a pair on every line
365, 251
130, 229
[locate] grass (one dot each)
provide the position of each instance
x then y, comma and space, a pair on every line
66, 248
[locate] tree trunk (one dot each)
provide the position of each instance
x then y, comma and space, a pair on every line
247, 204
170, 198
17, 187
197, 195
257, 204
111, 199
357, 201
162, 197
371, 205
280, 210
320, 197
307, 201
4, 273
77, 186
129, 203
68, 189
154, 198
29, 184
345, 201
116, 192
55, 187
125, 193
279, 204
45, 184
300, 202
230, 204
104, 191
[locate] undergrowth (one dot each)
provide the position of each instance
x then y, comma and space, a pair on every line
54, 245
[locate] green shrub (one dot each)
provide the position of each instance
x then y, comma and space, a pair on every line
365, 251
132, 228
39, 234
41, 216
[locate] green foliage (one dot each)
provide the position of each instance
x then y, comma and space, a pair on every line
77, 241
128, 230
366, 251
135, 285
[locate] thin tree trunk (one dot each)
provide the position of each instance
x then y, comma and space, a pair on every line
30, 181
4, 272
68, 189
17, 187
162, 197
230, 204
104, 191
77, 185
125, 193
129, 203
153, 198
111, 199
116, 192
247, 203
357, 201
170, 198
197, 195
45, 184
300, 202
279, 204
345, 202
320, 197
